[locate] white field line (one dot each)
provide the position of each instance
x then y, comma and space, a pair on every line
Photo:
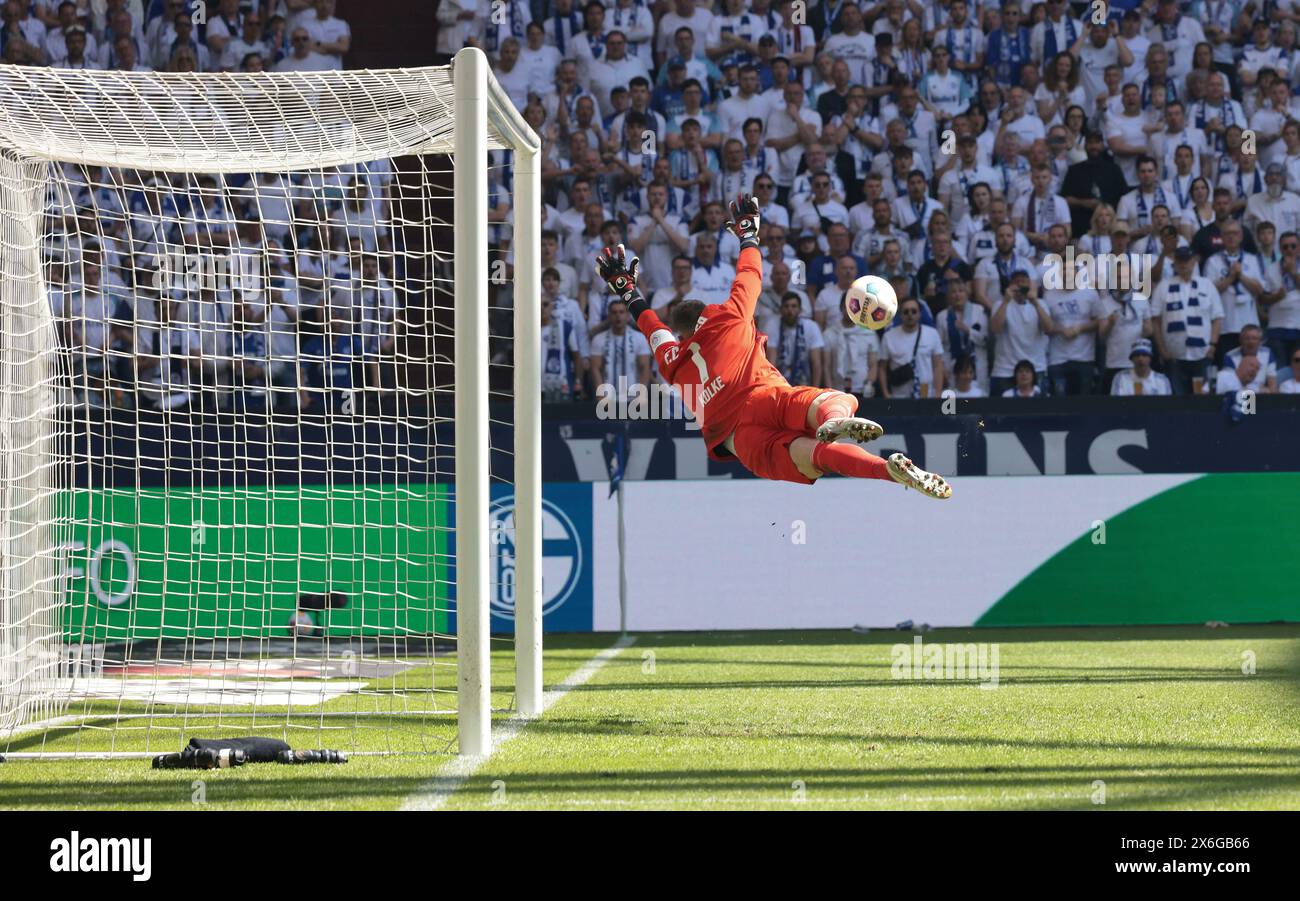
436, 792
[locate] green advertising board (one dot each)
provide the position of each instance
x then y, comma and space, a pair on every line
150, 564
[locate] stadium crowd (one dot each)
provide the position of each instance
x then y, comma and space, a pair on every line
175, 35
235, 292
973, 153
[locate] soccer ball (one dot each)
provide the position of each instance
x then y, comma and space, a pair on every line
871, 302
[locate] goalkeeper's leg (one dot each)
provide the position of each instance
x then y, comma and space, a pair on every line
814, 458
831, 414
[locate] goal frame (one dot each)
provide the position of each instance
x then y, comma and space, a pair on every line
484, 119
481, 102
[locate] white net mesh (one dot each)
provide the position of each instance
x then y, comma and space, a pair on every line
226, 424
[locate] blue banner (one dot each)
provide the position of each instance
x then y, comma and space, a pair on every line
1079, 436
975, 444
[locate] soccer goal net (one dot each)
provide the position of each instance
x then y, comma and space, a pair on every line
269, 410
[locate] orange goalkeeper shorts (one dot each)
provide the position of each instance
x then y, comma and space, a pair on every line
773, 416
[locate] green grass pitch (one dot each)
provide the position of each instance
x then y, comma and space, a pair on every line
1153, 717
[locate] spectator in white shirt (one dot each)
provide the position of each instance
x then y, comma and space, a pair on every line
76, 56
615, 68
851, 354
1125, 314
120, 25
1024, 381
816, 162
1250, 367
1072, 348
1269, 121
685, 13
820, 210
1017, 120
796, 347
223, 27
1283, 299
911, 356
710, 277
1239, 278
1136, 206
678, 290
25, 35
830, 298
956, 183
1188, 313
331, 37
1021, 325
963, 328
160, 32
1126, 134
303, 58
540, 59
56, 38
657, 237
746, 103
1038, 210
714, 222
635, 20
1292, 385
561, 360
511, 74
458, 26
1262, 54
778, 284
913, 210
1274, 204
126, 59
566, 308
620, 356
1139, 378
1178, 133
790, 129
995, 272
184, 58
964, 383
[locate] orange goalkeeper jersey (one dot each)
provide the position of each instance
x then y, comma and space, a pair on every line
723, 361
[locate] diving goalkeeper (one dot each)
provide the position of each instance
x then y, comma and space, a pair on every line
746, 409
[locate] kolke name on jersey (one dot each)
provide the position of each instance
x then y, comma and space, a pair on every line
103, 855
710, 391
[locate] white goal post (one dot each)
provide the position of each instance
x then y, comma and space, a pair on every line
482, 108
130, 144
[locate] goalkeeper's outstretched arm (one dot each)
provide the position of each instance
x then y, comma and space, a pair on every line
620, 276
749, 266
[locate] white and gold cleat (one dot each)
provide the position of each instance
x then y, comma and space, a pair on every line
909, 475
860, 430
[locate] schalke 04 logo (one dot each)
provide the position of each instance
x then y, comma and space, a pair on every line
561, 556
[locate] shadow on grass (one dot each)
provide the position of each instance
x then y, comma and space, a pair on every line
1066, 786
681, 729
174, 789
1005, 680
1006, 635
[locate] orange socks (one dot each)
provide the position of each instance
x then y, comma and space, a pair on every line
849, 460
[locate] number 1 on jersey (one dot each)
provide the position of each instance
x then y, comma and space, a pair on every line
694, 348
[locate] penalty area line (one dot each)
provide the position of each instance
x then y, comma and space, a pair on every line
437, 791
